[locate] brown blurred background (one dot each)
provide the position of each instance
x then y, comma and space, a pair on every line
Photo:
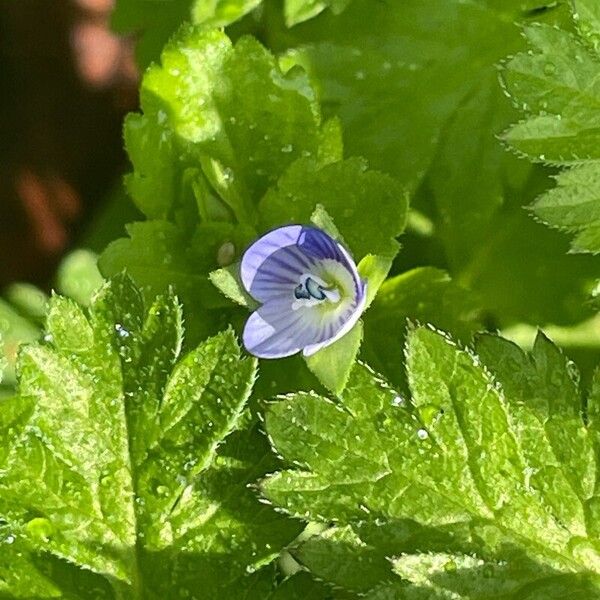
65, 84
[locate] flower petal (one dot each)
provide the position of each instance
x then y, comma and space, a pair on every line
276, 330
279, 274
264, 247
274, 267
345, 327
319, 245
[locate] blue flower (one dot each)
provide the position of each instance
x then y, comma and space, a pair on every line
309, 289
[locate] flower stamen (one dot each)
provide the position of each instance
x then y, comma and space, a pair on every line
312, 290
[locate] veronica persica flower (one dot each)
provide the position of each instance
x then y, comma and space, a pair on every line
309, 289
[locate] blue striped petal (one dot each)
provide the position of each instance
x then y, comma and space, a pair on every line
275, 330
344, 324
264, 247
279, 274
319, 245
273, 269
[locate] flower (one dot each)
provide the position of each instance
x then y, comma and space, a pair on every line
309, 289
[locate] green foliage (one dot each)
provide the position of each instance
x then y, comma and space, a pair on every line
156, 20
427, 296
420, 100
130, 461
23, 308
343, 189
447, 463
240, 149
297, 11
482, 484
555, 84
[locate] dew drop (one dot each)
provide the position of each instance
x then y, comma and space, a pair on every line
287, 149
398, 401
422, 434
122, 331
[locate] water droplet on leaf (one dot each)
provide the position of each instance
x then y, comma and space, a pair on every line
422, 434
398, 401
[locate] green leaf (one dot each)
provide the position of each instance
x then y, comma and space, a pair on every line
227, 280
157, 254
555, 84
345, 190
15, 330
498, 481
153, 185
297, 11
332, 364
28, 300
574, 205
18, 575
229, 103
374, 269
78, 276
132, 462
425, 295
322, 219
25, 309
420, 100
219, 13
157, 21
340, 556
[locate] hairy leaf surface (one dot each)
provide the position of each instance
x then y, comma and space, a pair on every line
130, 461
481, 484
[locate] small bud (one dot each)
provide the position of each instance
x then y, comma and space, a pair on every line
225, 254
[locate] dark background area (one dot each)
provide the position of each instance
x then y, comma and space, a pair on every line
66, 83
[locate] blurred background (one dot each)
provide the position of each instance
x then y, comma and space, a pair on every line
66, 82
